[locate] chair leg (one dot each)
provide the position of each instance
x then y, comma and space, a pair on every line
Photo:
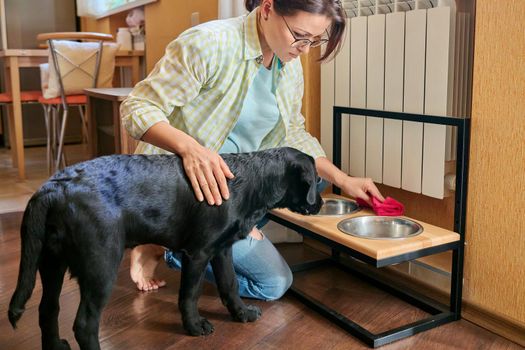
53, 126
62, 163
84, 124
61, 139
54, 132
47, 120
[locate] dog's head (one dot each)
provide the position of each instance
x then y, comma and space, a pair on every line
301, 179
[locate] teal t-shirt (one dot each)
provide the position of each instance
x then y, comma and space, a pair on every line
259, 114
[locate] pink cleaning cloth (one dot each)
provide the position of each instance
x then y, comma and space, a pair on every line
390, 207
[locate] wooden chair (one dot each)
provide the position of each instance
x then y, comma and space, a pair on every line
58, 61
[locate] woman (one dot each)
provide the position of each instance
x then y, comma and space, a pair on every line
229, 86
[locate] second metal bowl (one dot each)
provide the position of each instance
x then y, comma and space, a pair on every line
380, 227
338, 206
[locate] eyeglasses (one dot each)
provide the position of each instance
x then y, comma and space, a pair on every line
300, 43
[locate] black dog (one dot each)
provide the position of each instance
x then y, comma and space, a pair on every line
86, 215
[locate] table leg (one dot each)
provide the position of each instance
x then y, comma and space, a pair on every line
135, 70
115, 111
15, 118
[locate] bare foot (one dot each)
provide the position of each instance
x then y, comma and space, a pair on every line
144, 261
255, 233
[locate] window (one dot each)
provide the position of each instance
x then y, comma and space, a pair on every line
103, 8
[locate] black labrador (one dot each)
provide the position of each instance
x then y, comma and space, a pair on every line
85, 216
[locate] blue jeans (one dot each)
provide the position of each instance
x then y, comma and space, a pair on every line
261, 271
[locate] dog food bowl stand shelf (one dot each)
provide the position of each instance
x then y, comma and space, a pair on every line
379, 253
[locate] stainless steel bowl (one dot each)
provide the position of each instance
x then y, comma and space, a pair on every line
380, 227
337, 206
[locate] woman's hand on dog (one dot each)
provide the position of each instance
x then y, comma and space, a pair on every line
207, 172
362, 188
206, 169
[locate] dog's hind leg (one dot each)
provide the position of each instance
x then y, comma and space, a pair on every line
52, 272
228, 287
96, 282
192, 274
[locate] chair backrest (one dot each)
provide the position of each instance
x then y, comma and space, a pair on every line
74, 36
76, 65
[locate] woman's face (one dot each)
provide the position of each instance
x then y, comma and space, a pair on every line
278, 30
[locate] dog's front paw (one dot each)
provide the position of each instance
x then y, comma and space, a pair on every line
249, 314
199, 327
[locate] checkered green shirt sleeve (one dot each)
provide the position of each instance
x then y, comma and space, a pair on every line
201, 82
297, 137
174, 82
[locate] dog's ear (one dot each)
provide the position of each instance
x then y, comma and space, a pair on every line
303, 168
312, 193
309, 177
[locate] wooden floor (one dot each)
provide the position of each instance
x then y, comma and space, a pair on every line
14, 194
134, 320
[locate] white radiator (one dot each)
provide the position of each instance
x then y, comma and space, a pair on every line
402, 56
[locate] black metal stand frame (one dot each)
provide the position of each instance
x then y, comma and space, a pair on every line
440, 313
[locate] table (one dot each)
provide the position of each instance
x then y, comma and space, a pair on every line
106, 134
14, 59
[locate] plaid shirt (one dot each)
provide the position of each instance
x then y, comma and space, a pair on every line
200, 84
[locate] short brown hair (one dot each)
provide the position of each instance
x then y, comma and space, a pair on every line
333, 9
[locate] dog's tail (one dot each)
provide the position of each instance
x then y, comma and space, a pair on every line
32, 235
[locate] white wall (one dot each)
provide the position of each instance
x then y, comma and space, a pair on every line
231, 8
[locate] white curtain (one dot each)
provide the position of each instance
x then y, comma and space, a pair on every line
91, 8
231, 8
